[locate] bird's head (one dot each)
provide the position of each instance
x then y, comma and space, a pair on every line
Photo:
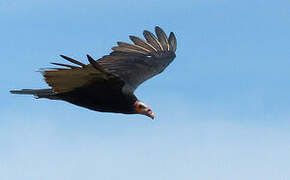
141, 108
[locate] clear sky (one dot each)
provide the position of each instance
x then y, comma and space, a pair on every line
222, 107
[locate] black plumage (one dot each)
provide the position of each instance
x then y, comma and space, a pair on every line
108, 84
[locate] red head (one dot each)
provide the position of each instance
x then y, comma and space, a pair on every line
142, 108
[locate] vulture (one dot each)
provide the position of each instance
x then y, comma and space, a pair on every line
108, 84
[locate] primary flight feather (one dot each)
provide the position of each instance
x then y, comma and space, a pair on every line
108, 84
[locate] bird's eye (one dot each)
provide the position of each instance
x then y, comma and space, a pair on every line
140, 106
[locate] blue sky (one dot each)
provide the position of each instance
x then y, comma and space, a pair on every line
222, 107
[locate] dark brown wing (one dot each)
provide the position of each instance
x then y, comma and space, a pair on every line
63, 80
135, 63
124, 69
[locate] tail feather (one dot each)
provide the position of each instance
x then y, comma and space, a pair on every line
38, 93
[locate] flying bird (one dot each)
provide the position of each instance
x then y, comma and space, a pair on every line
108, 84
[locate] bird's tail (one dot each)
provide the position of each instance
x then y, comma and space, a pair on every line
38, 93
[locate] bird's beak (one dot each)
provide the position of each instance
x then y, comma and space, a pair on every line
151, 115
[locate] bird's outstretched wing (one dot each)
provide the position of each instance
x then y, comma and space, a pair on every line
124, 69
63, 80
135, 63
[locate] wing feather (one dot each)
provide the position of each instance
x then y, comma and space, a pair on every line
140, 42
151, 39
133, 46
66, 65
127, 50
73, 60
172, 42
162, 38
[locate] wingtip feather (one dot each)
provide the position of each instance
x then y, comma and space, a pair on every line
72, 60
172, 42
162, 38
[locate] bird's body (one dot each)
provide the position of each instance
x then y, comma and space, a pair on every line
108, 84
106, 100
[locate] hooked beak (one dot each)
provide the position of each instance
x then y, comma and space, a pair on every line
151, 115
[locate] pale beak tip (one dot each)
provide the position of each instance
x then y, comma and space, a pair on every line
152, 116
